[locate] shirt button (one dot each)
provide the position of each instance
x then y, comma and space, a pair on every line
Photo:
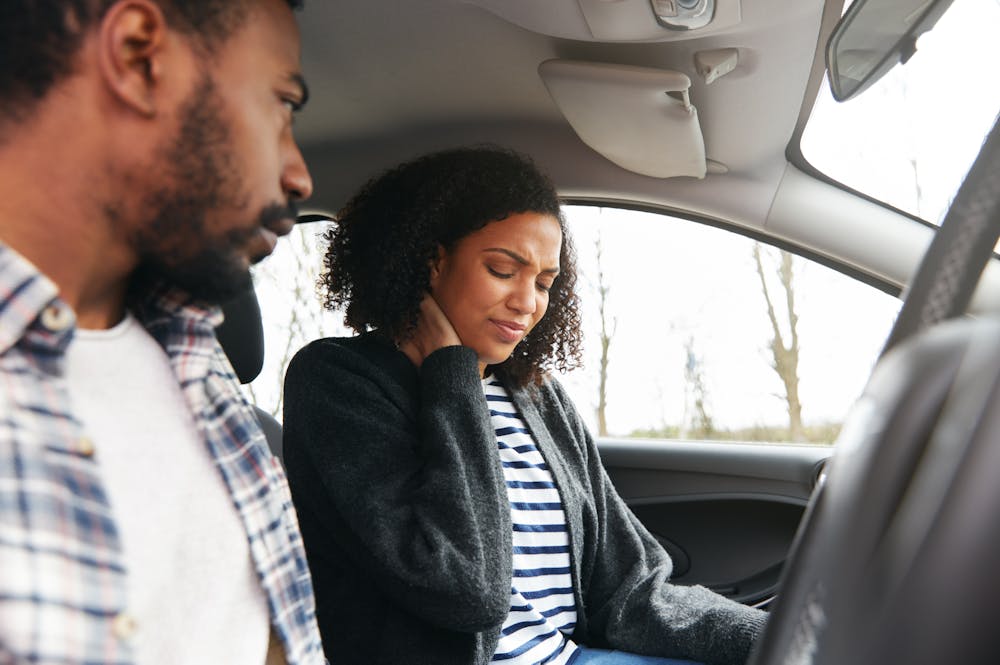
124, 626
85, 447
56, 317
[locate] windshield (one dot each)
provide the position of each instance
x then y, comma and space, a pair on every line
909, 140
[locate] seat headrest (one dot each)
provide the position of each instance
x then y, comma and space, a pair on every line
242, 335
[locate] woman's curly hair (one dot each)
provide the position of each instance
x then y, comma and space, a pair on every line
378, 255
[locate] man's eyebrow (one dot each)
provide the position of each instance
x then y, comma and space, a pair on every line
300, 80
520, 259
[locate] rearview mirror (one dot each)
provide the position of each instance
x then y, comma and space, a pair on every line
872, 37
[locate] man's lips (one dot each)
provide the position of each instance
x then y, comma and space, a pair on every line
268, 234
280, 227
510, 331
270, 237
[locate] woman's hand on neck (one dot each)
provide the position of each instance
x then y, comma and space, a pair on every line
434, 331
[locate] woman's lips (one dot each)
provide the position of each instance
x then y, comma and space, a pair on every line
509, 331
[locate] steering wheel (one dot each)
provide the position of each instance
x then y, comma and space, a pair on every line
894, 560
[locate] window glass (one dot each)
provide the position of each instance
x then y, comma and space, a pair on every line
910, 139
290, 307
690, 339
689, 351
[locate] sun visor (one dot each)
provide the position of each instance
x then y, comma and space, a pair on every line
640, 118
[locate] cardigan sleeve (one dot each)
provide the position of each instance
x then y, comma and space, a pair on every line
408, 485
630, 602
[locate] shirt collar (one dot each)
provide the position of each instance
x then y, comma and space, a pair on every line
24, 294
159, 303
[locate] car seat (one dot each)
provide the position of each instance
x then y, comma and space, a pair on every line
242, 338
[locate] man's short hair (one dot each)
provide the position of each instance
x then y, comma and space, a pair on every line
39, 39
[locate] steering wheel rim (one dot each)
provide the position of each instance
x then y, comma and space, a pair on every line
904, 411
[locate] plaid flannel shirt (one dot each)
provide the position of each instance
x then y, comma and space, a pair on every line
62, 574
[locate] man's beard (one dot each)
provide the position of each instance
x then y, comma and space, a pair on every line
174, 245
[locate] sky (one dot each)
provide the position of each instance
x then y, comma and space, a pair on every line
673, 281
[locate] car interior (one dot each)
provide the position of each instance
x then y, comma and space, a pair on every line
877, 548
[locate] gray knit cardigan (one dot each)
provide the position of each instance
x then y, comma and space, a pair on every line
400, 495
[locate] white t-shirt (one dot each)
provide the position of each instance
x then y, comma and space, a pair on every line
193, 592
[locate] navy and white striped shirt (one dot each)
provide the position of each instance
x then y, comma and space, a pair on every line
542, 605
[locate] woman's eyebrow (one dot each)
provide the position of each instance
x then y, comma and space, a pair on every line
520, 259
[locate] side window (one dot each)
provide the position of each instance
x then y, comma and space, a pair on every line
693, 332
291, 309
679, 333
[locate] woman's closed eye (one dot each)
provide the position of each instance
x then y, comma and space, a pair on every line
496, 272
503, 272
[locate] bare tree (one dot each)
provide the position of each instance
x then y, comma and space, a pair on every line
297, 318
607, 332
697, 420
784, 354
919, 194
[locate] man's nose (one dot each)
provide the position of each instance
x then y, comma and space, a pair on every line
295, 179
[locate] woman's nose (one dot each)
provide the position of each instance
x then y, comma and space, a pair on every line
523, 300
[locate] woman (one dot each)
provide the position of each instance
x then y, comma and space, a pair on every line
453, 505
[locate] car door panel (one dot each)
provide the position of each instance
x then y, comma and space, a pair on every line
725, 512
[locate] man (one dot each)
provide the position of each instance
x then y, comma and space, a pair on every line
146, 161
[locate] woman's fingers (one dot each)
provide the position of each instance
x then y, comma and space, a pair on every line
434, 331
437, 323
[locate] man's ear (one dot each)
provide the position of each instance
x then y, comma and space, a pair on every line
131, 41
